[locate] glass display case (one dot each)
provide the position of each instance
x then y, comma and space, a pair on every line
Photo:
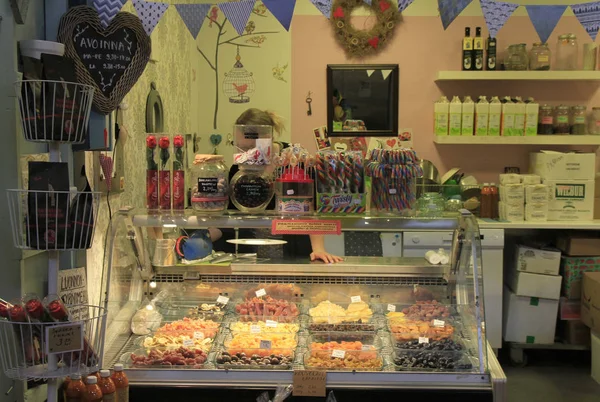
371, 322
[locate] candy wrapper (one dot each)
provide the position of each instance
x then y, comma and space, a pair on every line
151, 174
253, 145
340, 182
164, 174
281, 393
178, 173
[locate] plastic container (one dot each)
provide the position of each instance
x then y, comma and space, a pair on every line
35, 48
295, 192
561, 120
210, 190
275, 325
243, 361
251, 189
363, 341
327, 312
253, 145
431, 360
154, 359
262, 344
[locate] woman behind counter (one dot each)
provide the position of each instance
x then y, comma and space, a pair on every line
297, 246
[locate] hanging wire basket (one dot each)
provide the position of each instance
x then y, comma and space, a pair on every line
53, 220
25, 349
54, 111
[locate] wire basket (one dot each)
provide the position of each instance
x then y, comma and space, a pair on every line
53, 220
24, 346
54, 111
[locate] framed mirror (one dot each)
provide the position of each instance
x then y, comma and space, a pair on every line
362, 100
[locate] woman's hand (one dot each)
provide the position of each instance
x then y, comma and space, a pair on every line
325, 257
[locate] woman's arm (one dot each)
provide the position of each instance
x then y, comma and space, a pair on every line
317, 243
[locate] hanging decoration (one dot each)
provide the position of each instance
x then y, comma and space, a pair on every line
282, 10
324, 6
238, 83
368, 1
588, 15
496, 13
193, 16
107, 9
150, 13
403, 4
361, 43
238, 13
215, 140
544, 19
450, 9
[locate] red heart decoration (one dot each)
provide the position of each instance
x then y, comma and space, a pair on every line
391, 142
338, 13
374, 42
384, 5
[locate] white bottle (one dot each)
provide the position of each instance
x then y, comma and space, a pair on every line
441, 111
520, 109
495, 116
455, 116
482, 116
468, 116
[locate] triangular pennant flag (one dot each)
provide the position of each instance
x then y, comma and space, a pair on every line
324, 7
496, 13
402, 4
588, 15
367, 1
193, 16
370, 73
107, 9
150, 13
450, 9
283, 10
544, 19
238, 13
386, 73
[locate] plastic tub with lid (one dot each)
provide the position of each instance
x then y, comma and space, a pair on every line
295, 192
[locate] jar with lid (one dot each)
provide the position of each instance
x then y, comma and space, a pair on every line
567, 52
251, 189
578, 120
594, 123
295, 192
561, 120
517, 57
210, 189
539, 57
546, 120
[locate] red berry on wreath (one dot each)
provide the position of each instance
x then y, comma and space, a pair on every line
339, 13
374, 42
384, 5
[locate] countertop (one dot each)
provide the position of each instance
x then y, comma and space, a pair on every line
583, 225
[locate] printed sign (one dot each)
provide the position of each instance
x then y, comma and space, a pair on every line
438, 323
72, 289
309, 383
261, 293
306, 227
391, 307
188, 343
64, 338
338, 353
271, 323
255, 329
423, 339
355, 299
222, 300
198, 335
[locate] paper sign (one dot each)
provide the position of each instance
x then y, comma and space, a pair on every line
271, 323
338, 353
222, 300
198, 335
366, 347
290, 192
393, 191
72, 289
355, 299
438, 323
255, 329
391, 307
261, 293
423, 339
306, 227
265, 344
188, 343
309, 383
64, 338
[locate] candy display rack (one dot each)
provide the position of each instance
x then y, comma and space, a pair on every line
53, 112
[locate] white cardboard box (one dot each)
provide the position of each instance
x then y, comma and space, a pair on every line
596, 356
570, 200
535, 285
529, 319
560, 165
537, 261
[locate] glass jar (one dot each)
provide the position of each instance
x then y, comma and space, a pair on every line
561, 120
567, 52
546, 120
210, 190
253, 145
431, 204
251, 189
578, 120
594, 123
539, 57
517, 57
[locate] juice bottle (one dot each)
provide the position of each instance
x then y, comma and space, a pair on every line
495, 200
468, 116
76, 389
94, 374
495, 117
485, 210
121, 383
92, 392
441, 111
482, 116
107, 386
64, 387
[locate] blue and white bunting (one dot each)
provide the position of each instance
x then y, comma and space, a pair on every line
402, 4
544, 19
588, 15
324, 6
107, 9
150, 13
450, 9
238, 13
283, 10
496, 13
193, 16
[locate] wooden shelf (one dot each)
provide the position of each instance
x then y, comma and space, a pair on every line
518, 76
533, 140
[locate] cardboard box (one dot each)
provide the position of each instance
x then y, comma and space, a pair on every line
558, 165
590, 300
596, 208
579, 244
531, 118
572, 270
570, 310
535, 285
574, 332
570, 200
595, 356
537, 261
529, 319
508, 119
341, 203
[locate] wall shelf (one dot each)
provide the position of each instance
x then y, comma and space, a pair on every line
533, 140
518, 76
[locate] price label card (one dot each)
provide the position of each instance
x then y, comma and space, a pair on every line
188, 343
310, 383
255, 329
198, 335
271, 323
290, 192
261, 293
338, 353
355, 299
222, 300
422, 339
366, 347
393, 191
391, 307
438, 323
64, 338
265, 344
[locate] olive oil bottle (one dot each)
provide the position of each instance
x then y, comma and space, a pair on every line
478, 51
467, 51
490, 48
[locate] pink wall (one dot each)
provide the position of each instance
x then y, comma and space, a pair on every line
422, 48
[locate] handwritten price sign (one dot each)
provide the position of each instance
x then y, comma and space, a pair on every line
310, 383
64, 338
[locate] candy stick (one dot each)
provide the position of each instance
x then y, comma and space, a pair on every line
349, 172
341, 173
358, 172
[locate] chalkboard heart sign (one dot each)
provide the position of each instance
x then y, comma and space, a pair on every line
111, 59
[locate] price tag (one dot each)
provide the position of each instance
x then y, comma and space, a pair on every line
366, 347
438, 323
261, 293
393, 191
188, 343
265, 344
271, 323
338, 353
309, 383
198, 335
255, 329
290, 192
422, 339
355, 299
222, 300
391, 307
64, 338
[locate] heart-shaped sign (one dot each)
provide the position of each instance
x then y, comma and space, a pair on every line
111, 59
340, 146
391, 142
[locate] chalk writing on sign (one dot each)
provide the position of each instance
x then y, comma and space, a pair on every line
72, 289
